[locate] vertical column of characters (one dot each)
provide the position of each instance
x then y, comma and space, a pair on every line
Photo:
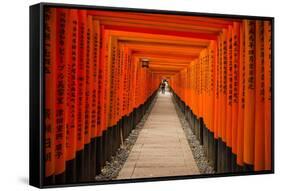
119, 83
126, 91
118, 87
123, 86
90, 161
87, 106
229, 87
136, 85
140, 83
220, 86
212, 83
216, 88
102, 85
241, 98
106, 96
224, 85
81, 92
88, 81
82, 18
206, 88
130, 85
129, 92
121, 72
111, 95
95, 77
128, 76
60, 94
259, 98
112, 90
124, 81
50, 18
114, 79
100, 81
201, 84
106, 80
250, 67
191, 71
72, 61
99, 31
268, 93
235, 83
197, 86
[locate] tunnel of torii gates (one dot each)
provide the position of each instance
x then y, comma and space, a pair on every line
97, 87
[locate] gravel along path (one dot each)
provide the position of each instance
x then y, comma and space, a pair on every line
197, 149
111, 169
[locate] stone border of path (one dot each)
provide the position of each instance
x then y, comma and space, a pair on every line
111, 170
197, 150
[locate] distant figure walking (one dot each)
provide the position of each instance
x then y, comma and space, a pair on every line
163, 86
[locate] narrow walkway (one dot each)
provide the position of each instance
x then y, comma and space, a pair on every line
161, 148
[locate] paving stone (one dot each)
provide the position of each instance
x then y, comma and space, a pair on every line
161, 148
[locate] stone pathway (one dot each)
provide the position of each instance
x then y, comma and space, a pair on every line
161, 148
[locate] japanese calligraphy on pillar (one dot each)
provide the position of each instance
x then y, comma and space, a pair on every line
49, 74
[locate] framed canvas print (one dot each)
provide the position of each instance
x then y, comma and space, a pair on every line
125, 95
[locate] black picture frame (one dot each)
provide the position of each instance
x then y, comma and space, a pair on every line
36, 98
